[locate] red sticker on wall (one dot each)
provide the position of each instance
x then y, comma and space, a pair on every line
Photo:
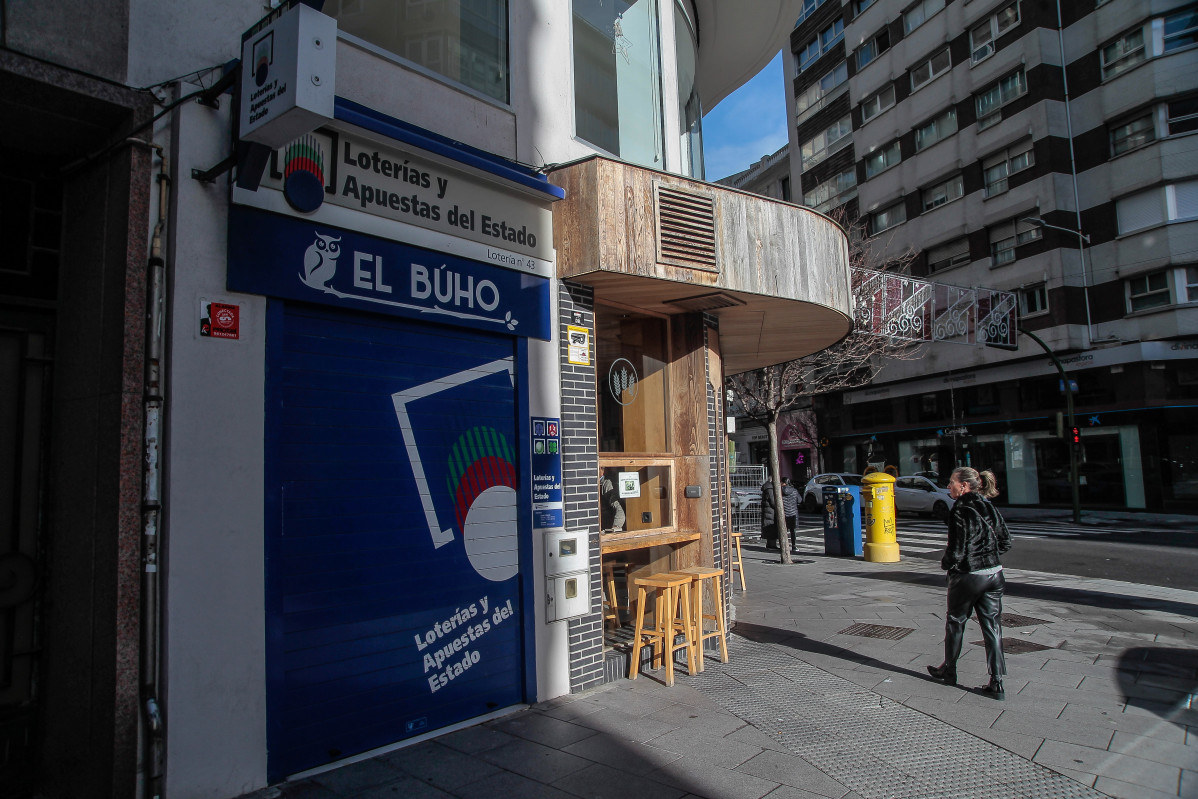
220, 320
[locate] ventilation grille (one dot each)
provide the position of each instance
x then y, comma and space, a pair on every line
877, 631
685, 229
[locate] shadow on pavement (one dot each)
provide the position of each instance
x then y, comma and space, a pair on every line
1044, 593
1161, 680
760, 633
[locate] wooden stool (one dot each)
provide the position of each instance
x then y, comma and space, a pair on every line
672, 594
611, 600
698, 574
738, 563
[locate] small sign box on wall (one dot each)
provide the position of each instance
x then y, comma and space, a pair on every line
219, 320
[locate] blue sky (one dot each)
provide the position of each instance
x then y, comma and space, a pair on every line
747, 124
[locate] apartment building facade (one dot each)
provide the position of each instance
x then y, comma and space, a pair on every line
1037, 147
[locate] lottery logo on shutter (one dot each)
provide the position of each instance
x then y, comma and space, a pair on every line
481, 480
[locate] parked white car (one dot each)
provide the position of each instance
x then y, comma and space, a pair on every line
813, 492
921, 495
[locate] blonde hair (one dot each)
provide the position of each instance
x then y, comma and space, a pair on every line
983, 483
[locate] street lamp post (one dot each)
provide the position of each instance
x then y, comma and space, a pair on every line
1082, 241
1073, 487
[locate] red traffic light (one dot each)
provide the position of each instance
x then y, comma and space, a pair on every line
1077, 435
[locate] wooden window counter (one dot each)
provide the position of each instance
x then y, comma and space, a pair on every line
623, 542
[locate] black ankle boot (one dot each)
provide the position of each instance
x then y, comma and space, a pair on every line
944, 673
993, 689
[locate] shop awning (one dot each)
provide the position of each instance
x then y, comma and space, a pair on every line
775, 274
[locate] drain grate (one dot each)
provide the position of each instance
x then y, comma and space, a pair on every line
1015, 620
877, 631
1017, 646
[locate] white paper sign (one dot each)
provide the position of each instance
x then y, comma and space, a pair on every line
630, 484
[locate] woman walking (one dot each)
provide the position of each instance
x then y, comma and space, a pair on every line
977, 536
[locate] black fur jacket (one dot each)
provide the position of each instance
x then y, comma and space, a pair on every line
977, 536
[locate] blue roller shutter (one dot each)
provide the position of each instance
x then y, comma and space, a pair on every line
393, 581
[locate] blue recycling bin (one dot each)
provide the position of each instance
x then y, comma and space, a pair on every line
842, 521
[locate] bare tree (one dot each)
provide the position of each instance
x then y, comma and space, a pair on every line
765, 394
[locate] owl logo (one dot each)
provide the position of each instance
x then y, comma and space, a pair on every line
320, 263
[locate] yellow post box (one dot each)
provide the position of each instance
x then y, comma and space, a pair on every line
877, 497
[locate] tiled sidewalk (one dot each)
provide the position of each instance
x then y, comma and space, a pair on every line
1102, 706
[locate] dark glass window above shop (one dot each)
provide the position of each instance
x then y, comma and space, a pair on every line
617, 79
463, 40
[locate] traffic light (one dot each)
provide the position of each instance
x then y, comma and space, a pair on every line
1076, 435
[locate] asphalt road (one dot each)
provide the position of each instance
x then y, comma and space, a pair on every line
1151, 557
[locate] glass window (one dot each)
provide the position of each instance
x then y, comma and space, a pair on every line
809, 7
993, 99
998, 167
1006, 237
873, 48
631, 359
1033, 300
617, 78
919, 13
942, 193
833, 192
928, 134
887, 218
463, 41
982, 36
820, 147
808, 54
1148, 291
1181, 29
1192, 283
882, 159
861, 5
1133, 134
1183, 115
953, 253
831, 35
924, 72
634, 496
1123, 53
690, 108
877, 104
818, 94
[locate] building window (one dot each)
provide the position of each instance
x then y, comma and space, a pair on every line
944, 256
785, 189
934, 66
821, 44
1006, 237
931, 132
1148, 291
1175, 202
1133, 134
617, 79
941, 193
861, 5
883, 159
1123, 53
819, 94
990, 102
998, 167
473, 35
983, 35
873, 48
887, 218
690, 105
834, 192
875, 105
809, 7
1033, 300
824, 144
919, 13
1182, 115
1192, 283
1181, 29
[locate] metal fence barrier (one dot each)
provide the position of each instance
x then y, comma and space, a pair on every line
745, 484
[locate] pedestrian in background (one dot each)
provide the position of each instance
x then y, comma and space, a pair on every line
769, 515
977, 537
790, 508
